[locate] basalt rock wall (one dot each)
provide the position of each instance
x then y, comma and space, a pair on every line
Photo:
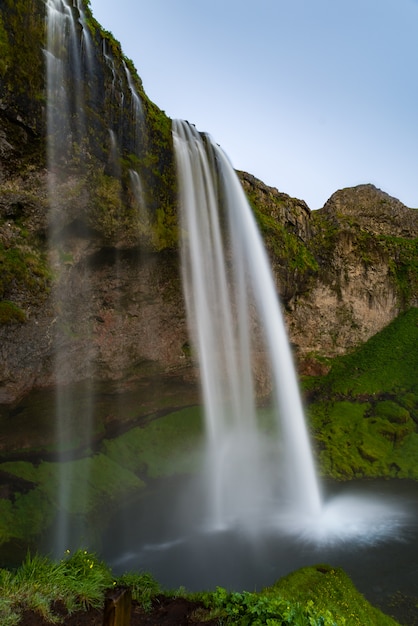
342, 272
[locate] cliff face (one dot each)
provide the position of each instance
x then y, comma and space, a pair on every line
87, 207
365, 244
343, 272
92, 268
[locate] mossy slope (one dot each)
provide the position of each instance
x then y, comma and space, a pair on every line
121, 467
365, 410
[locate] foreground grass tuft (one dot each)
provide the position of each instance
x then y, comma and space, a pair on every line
79, 581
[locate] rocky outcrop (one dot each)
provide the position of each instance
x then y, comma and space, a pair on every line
292, 213
107, 289
366, 208
366, 247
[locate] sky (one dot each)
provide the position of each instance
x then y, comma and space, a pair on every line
309, 96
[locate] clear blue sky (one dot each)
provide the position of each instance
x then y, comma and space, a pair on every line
310, 96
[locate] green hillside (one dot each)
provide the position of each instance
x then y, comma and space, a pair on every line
364, 412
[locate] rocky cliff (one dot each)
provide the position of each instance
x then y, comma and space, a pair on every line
88, 241
344, 271
365, 244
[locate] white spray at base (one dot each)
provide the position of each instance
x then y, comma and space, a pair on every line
255, 478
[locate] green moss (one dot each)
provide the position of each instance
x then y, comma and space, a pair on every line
4, 48
25, 268
24, 22
326, 235
352, 444
104, 481
164, 447
319, 595
165, 231
391, 411
284, 245
10, 313
365, 411
101, 481
403, 265
329, 591
161, 447
387, 362
105, 213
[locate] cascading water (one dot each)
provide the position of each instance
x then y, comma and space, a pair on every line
229, 289
66, 60
94, 118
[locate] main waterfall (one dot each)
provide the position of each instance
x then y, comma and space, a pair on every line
230, 298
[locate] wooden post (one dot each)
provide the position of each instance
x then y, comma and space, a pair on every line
117, 608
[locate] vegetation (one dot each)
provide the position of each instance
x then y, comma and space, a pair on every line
24, 272
165, 447
78, 582
22, 27
4, 48
23, 268
10, 313
403, 264
284, 245
365, 410
313, 596
159, 448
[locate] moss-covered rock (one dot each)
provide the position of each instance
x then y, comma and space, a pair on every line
331, 593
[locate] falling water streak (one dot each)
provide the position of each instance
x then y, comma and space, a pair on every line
218, 300
116, 97
66, 131
303, 483
86, 41
114, 164
137, 110
219, 365
137, 187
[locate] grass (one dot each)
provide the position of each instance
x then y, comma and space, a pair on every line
78, 581
313, 596
365, 410
387, 362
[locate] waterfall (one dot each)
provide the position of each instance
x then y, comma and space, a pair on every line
231, 304
68, 59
